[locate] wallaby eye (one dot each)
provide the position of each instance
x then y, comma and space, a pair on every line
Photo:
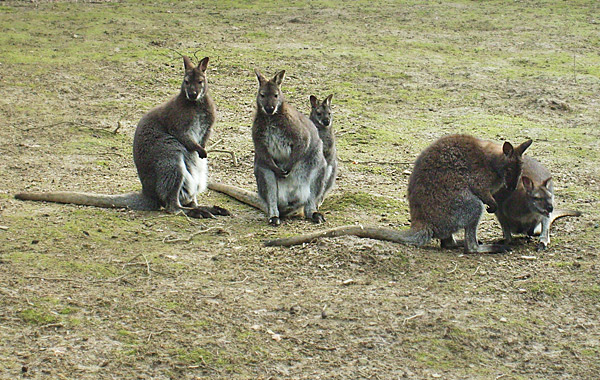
262, 95
276, 95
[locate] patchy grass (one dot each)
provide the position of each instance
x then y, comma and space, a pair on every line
149, 295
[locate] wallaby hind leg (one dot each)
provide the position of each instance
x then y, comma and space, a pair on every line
267, 190
544, 234
316, 189
473, 246
310, 212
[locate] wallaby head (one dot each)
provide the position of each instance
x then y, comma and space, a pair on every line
270, 97
321, 111
512, 163
194, 81
539, 197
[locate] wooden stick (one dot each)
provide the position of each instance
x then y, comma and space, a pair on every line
386, 234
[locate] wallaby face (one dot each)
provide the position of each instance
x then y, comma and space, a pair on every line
269, 97
539, 198
513, 163
321, 111
194, 81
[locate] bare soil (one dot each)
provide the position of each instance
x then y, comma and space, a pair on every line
88, 293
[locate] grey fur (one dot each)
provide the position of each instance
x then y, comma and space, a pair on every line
288, 161
169, 154
530, 208
321, 117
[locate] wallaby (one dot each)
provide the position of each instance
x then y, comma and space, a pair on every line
530, 208
169, 154
321, 117
288, 155
451, 181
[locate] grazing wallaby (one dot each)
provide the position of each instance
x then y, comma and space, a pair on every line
451, 181
288, 155
530, 208
169, 154
320, 115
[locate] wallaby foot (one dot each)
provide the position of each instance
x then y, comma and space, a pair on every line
274, 221
207, 212
487, 248
541, 246
317, 218
448, 243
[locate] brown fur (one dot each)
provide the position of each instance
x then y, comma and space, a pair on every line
288, 161
451, 181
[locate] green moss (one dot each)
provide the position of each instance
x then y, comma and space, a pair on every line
37, 317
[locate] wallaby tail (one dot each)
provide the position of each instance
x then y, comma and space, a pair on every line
412, 237
248, 197
133, 201
561, 213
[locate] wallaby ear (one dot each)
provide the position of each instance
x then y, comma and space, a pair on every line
187, 63
327, 100
203, 64
547, 182
507, 148
278, 78
527, 183
261, 78
521, 148
314, 102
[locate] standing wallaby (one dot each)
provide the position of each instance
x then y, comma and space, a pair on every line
288, 154
530, 208
169, 154
321, 117
451, 181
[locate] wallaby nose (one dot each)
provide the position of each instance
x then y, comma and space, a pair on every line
192, 95
269, 110
550, 208
326, 122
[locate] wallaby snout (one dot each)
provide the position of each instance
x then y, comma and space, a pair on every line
269, 109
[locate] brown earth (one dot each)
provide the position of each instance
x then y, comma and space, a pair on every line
89, 293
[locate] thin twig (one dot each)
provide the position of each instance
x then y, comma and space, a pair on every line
377, 162
147, 265
214, 144
452, 271
118, 127
230, 152
411, 318
52, 278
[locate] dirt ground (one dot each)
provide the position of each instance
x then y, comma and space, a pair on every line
88, 293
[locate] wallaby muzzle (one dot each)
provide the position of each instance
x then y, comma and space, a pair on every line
269, 110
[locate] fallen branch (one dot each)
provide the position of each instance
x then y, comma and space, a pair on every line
245, 196
359, 231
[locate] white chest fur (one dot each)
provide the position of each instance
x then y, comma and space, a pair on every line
278, 146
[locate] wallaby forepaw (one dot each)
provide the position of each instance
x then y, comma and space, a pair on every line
282, 173
201, 152
492, 209
274, 221
318, 218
